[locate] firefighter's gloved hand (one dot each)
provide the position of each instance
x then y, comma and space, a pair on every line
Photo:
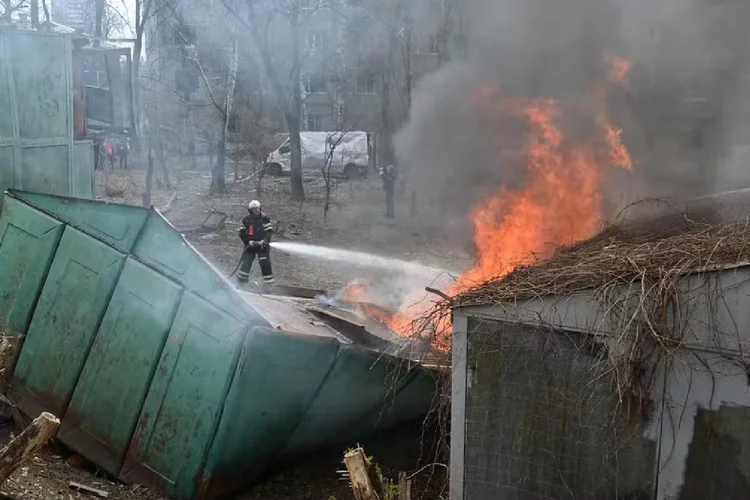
264, 244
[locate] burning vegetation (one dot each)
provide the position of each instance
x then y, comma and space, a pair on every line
559, 203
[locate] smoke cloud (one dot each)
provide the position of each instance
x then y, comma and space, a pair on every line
680, 112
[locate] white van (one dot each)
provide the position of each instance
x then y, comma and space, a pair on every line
350, 154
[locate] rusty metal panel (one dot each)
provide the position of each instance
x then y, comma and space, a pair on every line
7, 166
405, 402
42, 79
28, 240
36, 116
83, 179
109, 396
6, 109
277, 379
44, 169
117, 225
184, 264
75, 295
374, 377
186, 398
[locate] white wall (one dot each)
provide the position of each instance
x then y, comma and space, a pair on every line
706, 371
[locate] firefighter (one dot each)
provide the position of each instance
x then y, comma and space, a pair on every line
389, 175
256, 234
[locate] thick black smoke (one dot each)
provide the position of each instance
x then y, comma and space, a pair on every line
679, 111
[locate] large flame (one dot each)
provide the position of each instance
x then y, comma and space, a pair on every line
359, 293
560, 203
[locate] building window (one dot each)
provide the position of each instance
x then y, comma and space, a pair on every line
95, 72
314, 123
315, 40
315, 83
365, 84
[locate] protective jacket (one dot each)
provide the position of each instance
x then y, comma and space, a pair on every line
389, 175
256, 228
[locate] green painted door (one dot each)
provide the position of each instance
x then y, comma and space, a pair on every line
36, 116
73, 300
374, 377
28, 240
108, 398
185, 400
278, 377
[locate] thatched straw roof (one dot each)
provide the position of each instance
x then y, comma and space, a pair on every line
705, 234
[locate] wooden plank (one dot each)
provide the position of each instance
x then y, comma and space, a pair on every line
88, 489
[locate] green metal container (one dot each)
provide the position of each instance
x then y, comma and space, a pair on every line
161, 372
37, 148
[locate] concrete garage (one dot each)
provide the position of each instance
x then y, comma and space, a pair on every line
635, 387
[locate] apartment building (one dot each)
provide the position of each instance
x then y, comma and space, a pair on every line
76, 14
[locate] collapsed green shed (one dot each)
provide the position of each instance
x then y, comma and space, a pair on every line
161, 372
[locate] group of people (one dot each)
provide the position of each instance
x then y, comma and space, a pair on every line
113, 151
256, 231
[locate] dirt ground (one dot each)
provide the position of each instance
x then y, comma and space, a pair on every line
355, 221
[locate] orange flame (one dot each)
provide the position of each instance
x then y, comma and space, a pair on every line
619, 70
560, 203
358, 293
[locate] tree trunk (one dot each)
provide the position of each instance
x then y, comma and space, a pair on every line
360, 475
136, 75
293, 117
295, 142
149, 179
99, 18
34, 6
21, 449
218, 173
386, 152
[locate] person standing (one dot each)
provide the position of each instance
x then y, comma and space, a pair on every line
389, 175
255, 233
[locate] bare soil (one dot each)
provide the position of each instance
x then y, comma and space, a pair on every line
355, 221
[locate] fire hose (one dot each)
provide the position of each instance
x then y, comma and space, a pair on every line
239, 262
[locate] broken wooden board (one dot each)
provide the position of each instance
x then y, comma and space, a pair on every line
88, 489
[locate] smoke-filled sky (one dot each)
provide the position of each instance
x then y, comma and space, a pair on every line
555, 49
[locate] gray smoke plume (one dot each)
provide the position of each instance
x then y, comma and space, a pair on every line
684, 144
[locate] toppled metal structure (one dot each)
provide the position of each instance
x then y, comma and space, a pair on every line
161, 372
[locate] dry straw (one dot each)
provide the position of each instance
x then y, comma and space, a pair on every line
647, 258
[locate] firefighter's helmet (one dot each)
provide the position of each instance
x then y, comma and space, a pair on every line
253, 204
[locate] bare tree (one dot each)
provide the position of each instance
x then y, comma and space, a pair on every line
255, 141
333, 141
145, 12
8, 7
277, 28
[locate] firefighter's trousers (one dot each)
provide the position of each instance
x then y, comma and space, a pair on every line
264, 260
389, 212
